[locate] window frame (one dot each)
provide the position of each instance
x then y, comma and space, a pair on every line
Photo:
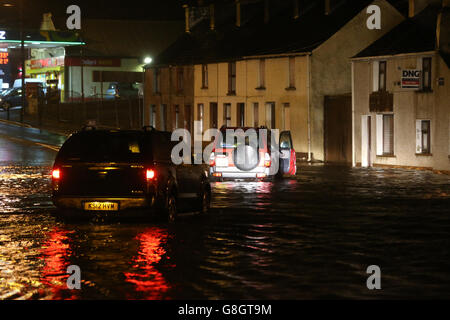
427, 87
205, 76
232, 78
382, 75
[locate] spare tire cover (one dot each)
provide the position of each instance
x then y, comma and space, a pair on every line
246, 158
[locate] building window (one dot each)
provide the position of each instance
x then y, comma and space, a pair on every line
180, 79
232, 78
255, 114
204, 76
163, 115
291, 72
156, 80
200, 116
262, 74
270, 115
423, 136
426, 74
227, 114
385, 134
286, 117
187, 117
382, 76
153, 116
213, 115
176, 117
241, 114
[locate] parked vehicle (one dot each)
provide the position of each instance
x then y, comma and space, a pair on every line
253, 161
126, 172
11, 98
119, 90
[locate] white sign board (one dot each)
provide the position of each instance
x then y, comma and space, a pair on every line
411, 78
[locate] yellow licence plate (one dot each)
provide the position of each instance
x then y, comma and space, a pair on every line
101, 206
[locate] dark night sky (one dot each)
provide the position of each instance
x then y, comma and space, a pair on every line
91, 9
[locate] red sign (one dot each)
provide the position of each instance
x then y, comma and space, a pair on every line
47, 63
93, 62
4, 57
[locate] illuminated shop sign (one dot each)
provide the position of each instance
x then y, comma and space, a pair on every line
4, 58
47, 63
2, 35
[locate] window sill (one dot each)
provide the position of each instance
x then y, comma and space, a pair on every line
156, 93
231, 93
260, 88
387, 156
290, 89
204, 88
424, 154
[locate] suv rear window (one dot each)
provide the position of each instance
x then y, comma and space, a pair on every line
104, 146
261, 138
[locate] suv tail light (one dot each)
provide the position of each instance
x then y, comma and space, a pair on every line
212, 160
150, 174
56, 174
267, 161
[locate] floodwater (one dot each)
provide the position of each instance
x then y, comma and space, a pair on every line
309, 237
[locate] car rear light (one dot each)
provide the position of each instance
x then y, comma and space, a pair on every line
267, 161
56, 174
217, 174
150, 174
212, 159
261, 175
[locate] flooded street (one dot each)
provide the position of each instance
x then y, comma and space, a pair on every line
309, 237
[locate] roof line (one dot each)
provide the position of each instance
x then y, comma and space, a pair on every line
393, 55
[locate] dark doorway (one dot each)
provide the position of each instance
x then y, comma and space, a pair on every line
338, 129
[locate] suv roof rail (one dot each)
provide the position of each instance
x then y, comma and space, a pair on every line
148, 128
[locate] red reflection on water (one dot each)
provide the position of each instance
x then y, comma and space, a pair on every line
148, 281
56, 253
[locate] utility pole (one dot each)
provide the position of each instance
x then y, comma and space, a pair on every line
22, 52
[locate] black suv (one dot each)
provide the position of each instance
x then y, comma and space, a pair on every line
116, 172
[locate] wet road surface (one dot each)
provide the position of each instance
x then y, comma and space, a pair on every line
308, 237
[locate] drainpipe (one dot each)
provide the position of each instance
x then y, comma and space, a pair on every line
353, 116
308, 66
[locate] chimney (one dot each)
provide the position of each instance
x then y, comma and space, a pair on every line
327, 7
212, 18
266, 11
186, 18
47, 22
296, 9
411, 10
238, 13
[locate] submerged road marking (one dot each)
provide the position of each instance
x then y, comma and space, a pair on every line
21, 140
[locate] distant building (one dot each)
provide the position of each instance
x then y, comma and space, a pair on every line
401, 95
280, 64
114, 51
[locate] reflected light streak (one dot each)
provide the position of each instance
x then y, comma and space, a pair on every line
148, 281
